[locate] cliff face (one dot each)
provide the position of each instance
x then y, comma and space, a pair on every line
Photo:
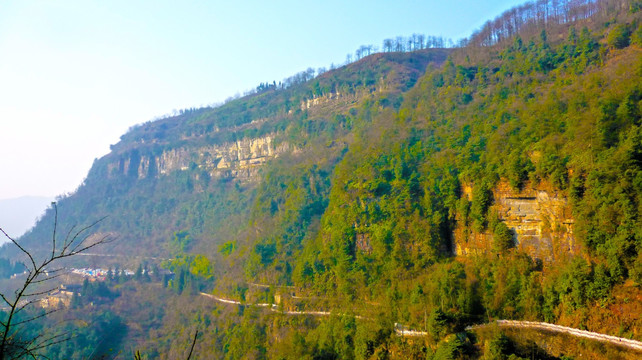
239, 159
539, 216
174, 173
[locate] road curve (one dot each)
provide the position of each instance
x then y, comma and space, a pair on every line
618, 341
402, 330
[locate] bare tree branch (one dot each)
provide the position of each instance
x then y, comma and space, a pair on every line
47, 278
53, 237
5, 299
193, 343
25, 304
33, 262
75, 242
40, 292
64, 245
35, 317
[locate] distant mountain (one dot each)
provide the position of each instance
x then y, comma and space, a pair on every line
20, 214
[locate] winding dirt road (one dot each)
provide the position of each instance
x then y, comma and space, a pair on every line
542, 326
402, 330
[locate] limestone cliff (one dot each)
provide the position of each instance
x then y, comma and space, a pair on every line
539, 216
333, 100
239, 159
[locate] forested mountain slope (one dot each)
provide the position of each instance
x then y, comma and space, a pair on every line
435, 189
198, 171
504, 187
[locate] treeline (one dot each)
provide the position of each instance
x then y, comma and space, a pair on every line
400, 44
298, 78
410, 43
416, 42
526, 20
534, 16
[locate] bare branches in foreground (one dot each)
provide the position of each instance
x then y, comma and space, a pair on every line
14, 342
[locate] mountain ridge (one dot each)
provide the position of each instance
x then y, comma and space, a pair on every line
197, 149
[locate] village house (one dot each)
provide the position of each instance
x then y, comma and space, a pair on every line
61, 297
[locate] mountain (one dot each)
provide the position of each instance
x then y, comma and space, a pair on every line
437, 189
20, 214
201, 169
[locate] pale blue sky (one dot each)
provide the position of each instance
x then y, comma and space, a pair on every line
75, 75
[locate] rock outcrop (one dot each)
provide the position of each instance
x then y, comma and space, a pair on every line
539, 216
239, 159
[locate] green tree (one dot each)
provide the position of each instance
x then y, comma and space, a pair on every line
437, 323
482, 199
619, 36
503, 238
499, 347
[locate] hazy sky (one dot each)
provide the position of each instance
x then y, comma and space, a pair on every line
75, 75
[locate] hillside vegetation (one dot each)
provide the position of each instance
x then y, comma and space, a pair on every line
351, 192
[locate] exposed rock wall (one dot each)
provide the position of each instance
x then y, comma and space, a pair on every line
326, 101
239, 159
319, 100
539, 216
